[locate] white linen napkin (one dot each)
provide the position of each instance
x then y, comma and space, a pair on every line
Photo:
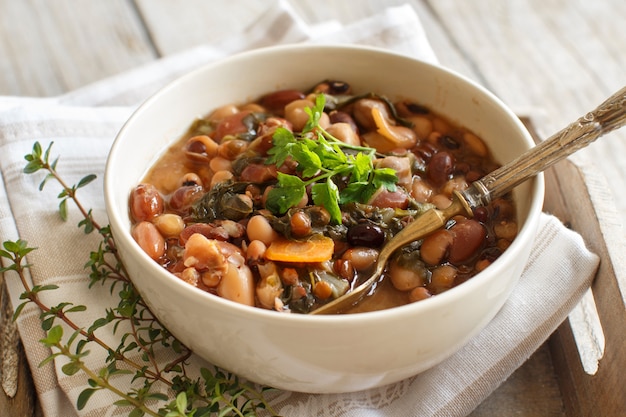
82, 124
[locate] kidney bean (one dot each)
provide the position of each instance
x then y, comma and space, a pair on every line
366, 234
208, 230
185, 196
231, 125
258, 173
468, 236
145, 202
440, 167
277, 100
391, 199
361, 258
149, 239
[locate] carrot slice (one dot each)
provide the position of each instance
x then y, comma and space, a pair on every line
316, 249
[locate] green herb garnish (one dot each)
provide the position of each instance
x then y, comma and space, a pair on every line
323, 164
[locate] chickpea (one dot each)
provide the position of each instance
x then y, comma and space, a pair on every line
422, 126
405, 279
210, 278
220, 164
442, 278
506, 230
259, 228
296, 115
220, 113
475, 144
322, 290
221, 176
170, 225
149, 239
345, 133
190, 276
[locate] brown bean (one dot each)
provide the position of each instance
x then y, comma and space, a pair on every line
468, 235
300, 223
435, 247
149, 239
145, 202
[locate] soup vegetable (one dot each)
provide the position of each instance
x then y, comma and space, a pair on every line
284, 202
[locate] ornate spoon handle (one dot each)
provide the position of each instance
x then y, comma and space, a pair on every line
608, 116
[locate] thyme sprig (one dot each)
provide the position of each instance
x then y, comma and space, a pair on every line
214, 393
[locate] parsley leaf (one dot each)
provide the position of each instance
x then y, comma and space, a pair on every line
321, 162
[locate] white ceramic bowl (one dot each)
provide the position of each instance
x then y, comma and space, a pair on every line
318, 354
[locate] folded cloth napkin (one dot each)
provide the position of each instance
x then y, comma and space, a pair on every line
82, 125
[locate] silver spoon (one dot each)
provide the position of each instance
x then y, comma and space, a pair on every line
608, 116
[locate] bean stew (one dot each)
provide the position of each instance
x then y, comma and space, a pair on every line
283, 202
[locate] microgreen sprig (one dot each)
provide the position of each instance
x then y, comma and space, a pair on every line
324, 165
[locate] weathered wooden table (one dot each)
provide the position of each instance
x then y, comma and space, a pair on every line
551, 60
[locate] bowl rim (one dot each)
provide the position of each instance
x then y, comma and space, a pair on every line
526, 233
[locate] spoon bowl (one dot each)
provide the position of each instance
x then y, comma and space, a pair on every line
608, 116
